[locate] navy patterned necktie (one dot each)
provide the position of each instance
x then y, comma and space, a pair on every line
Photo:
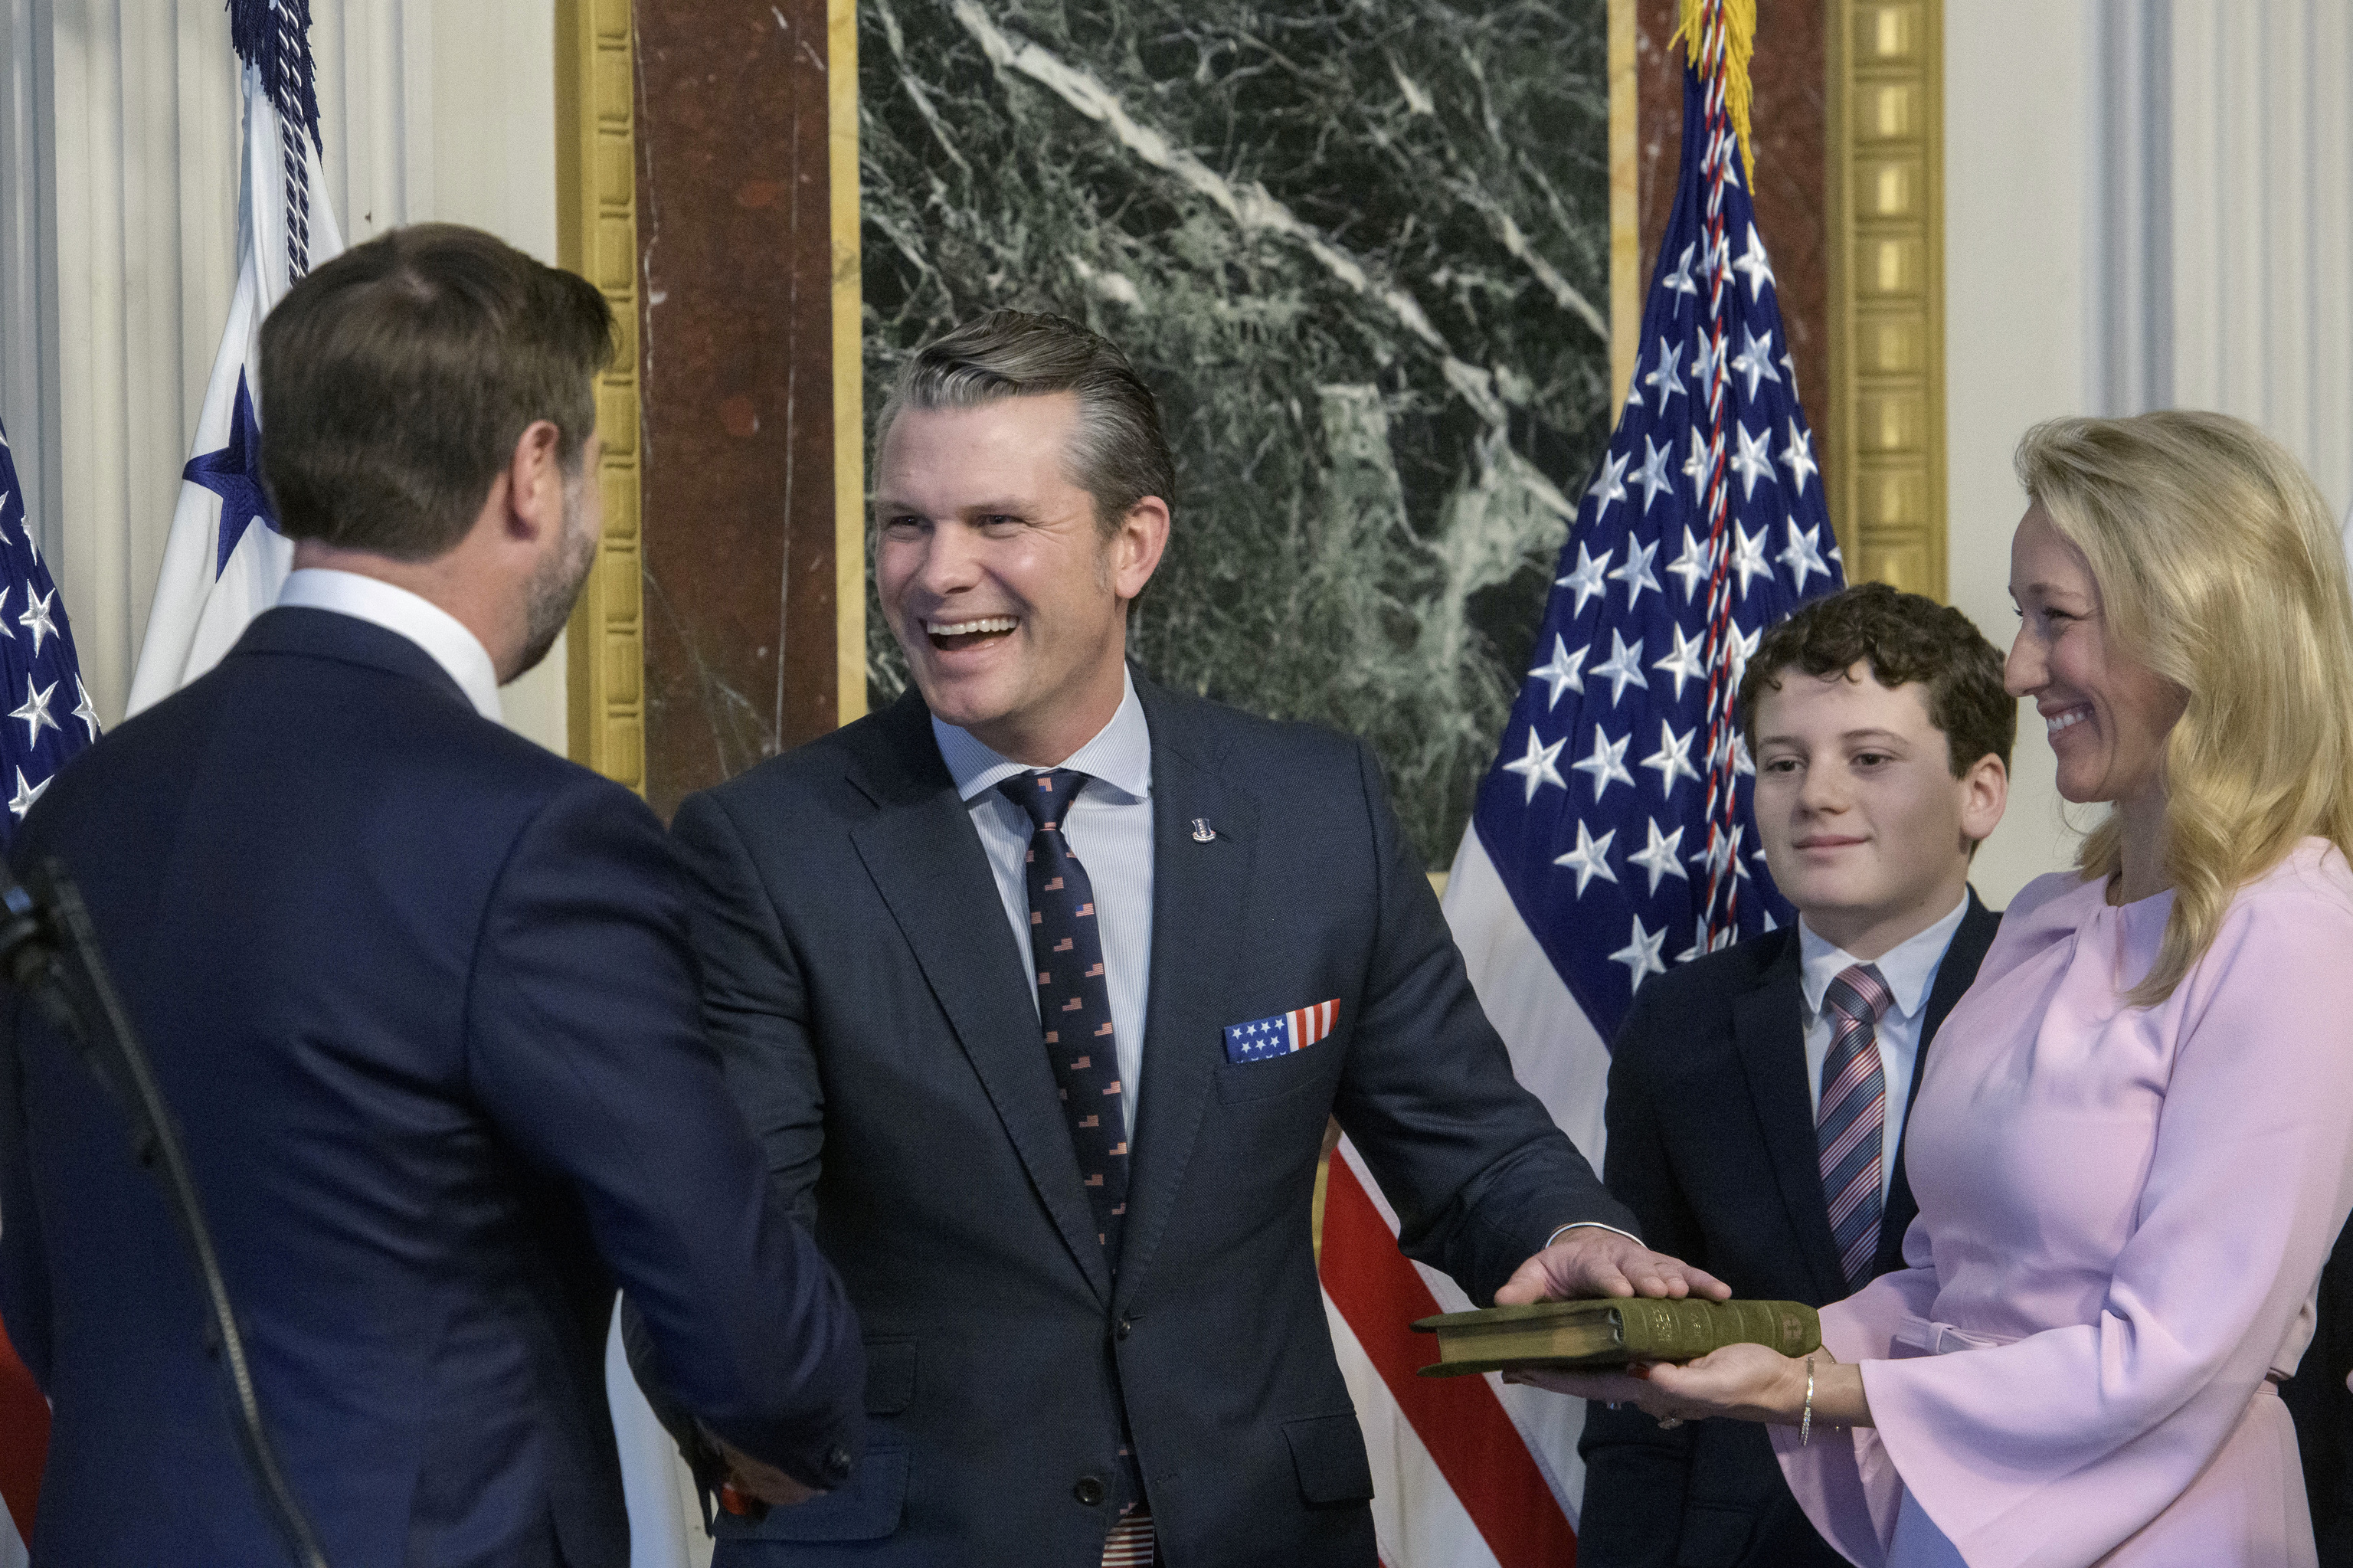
1850, 1128
1074, 997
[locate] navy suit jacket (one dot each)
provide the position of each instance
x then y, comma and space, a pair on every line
1711, 1143
869, 1001
421, 997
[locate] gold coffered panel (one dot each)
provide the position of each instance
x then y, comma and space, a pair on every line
597, 236
1885, 200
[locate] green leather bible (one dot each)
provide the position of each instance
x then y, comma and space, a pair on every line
1598, 1334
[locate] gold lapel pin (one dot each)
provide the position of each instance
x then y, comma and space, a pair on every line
1202, 831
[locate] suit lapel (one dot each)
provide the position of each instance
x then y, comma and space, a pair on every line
1195, 938
926, 861
1955, 974
1768, 1030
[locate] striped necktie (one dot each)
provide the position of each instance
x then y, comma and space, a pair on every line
1850, 1128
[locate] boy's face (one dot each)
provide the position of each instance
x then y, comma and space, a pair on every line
1866, 829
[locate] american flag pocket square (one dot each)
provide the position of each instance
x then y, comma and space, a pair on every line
1282, 1035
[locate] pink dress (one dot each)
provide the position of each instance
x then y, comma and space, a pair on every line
2122, 1218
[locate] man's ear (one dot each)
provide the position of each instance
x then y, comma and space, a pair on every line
1133, 552
535, 483
1985, 792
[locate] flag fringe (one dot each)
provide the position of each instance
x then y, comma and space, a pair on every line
1738, 19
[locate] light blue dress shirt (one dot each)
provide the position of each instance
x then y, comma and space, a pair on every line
1109, 831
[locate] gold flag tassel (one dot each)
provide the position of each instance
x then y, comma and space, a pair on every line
1725, 32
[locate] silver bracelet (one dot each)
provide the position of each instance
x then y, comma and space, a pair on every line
1806, 1420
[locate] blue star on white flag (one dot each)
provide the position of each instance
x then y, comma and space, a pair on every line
225, 559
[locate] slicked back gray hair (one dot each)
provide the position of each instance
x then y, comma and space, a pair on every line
1117, 454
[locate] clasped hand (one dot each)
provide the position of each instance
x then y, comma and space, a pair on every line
1746, 1382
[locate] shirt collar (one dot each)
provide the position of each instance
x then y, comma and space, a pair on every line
442, 634
1908, 968
1120, 755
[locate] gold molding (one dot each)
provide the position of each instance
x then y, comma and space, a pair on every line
1885, 200
1626, 280
597, 236
848, 364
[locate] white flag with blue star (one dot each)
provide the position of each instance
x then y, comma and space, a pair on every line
225, 560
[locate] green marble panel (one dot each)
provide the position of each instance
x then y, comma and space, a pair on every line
1359, 248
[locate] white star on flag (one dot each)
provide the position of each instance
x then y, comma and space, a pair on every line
1586, 581
1672, 759
1658, 856
1608, 763
1686, 661
1636, 573
1589, 858
1640, 953
1563, 673
34, 711
1624, 667
1536, 765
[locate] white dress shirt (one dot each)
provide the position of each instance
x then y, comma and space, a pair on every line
1109, 827
442, 634
1910, 971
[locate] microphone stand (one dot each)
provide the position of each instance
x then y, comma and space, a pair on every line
48, 951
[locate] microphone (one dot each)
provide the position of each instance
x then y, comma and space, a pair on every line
49, 952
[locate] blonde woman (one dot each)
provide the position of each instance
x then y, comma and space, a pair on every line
2131, 1147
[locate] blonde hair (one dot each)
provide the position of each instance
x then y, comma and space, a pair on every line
2220, 569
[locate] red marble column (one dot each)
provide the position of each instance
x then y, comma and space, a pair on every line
736, 345
1789, 120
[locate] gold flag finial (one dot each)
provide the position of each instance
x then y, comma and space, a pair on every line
1718, 38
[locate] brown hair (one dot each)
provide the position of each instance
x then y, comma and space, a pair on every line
1118, 454
1906, 639
396, 379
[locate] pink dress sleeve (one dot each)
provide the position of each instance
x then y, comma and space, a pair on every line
2059, 1445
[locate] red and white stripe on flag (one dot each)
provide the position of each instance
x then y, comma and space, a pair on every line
1467, 1472
1309, 1025
24, 1447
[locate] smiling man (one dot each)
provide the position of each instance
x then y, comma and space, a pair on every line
1757, 1096
1041, 985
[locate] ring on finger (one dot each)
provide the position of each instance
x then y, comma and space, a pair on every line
1669, 1423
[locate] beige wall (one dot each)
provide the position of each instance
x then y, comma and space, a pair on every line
2146, 206
2015, 88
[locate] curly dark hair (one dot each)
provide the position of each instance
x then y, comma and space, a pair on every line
1904, 638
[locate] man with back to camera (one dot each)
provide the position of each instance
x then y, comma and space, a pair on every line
1757, 1096
1041, 987
421, 997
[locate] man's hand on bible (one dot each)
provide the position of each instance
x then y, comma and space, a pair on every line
1593, 1260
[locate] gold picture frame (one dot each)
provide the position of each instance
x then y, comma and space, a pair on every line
597, 236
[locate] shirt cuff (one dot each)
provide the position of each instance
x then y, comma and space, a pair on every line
1591, 1224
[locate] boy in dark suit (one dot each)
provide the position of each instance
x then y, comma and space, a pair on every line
1757, 1096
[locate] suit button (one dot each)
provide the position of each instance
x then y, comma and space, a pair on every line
1125, 1323
1090, 1490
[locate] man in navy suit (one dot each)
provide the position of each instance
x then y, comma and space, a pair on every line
1041, 987
1882, 739
421, 998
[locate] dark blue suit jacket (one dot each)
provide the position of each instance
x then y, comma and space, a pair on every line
421, 996
869, 1001
1712, 1145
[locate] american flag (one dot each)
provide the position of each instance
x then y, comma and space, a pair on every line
1282, 1035
1618, 811
1613, 837
49, 715
48, 718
